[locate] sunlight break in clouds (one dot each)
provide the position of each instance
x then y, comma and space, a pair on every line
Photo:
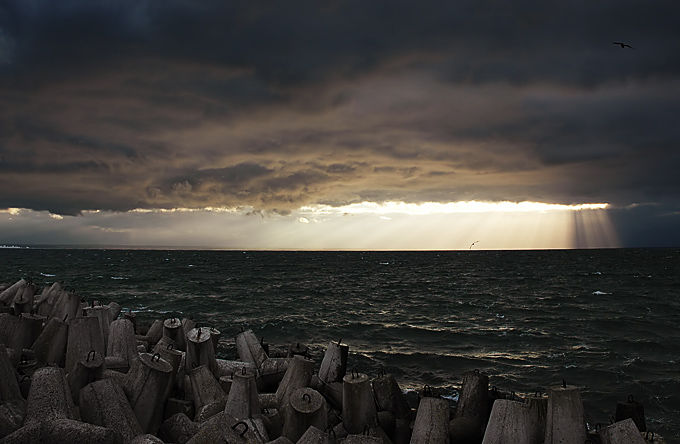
448, 208
361, 226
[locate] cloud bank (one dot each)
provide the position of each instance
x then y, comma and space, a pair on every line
122, 105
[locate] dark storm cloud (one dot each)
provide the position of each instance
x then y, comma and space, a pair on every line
116, 105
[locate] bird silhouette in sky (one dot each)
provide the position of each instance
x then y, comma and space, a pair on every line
623, 45
473, 244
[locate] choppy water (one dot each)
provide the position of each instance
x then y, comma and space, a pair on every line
604, 320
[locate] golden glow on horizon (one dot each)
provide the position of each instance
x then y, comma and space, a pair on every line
359, 226
398, 207
447, 208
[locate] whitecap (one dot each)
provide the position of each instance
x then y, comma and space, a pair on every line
598, 292
47, 274
119, 277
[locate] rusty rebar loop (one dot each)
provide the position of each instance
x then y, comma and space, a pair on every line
244, 430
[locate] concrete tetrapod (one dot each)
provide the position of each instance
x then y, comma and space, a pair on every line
334, 364
66, 306
12, 405
315, 436
77, 432
206, 390
178, 428
7, 295
358, 405
539, 405
29, 328
473, 398
105, 315
224, 428
242, 401
622, 432
154, 334
172, 328
249, 349
146, 439
389, 396
50, 347
200, 350
631, 409
512, 422
432, 422
88, 369
308, 408
176, 360
121, 349
84, 335
103, 403
215, 336
146, 388
297, 376
271, 373
49, 398
565, 419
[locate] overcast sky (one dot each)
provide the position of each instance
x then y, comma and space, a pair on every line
269, 108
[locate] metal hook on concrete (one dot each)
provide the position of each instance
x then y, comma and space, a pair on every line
647, 436
91, 352
330, 430
427, 391
170, 347
308, 397
243, 370
23, 360
244, 430
564, 383
366, 431
157, 357
357, 373
382, 373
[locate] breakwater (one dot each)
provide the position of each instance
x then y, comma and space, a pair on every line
78, 372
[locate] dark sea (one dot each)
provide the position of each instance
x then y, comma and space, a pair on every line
607, 321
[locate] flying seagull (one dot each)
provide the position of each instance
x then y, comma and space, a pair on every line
473, 244
623, 45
